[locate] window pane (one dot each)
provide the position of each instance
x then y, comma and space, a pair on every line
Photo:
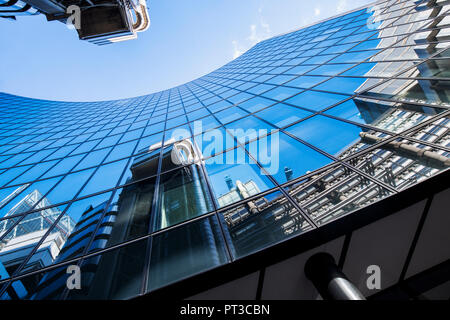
185, 251
262, 222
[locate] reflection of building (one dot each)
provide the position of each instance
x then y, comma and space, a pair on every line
11, 9
261, 221
53, 283
20, 235
183, 197
240, 192
338, 191
17, 289
406, 55
183, 191
399, 164
100, 21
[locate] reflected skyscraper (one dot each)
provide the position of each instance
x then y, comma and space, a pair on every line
185, 197
20, 235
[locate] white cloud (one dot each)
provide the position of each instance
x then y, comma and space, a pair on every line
317, 11
261, 31
341, 6
236, 49
264, 25
258, 33
253, 37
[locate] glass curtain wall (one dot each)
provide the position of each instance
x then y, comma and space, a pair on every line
302, 129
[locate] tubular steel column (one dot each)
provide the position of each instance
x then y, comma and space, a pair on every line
329, 280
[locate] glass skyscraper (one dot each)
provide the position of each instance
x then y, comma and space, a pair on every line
300, 131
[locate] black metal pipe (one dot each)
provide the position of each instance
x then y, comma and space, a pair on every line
329, 280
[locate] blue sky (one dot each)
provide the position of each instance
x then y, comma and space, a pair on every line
186, 39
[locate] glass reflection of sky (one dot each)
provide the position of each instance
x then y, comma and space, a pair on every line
329, 135
282, 115
243, 169
301, 159
316, 101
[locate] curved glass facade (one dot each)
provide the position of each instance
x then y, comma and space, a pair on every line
302, 129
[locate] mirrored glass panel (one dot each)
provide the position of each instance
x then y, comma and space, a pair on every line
436, 132
234, 176
58, 233
186, 251
434, 92
116, 274
261, 222
402, 163
125, 264
29, 288
385, 115
337, 138
334, 193
183, 195
270, 151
